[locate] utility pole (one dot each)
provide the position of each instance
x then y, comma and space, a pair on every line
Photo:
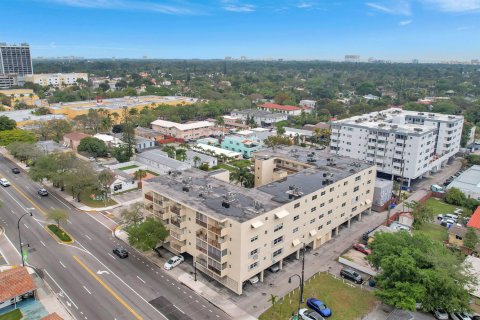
303, 274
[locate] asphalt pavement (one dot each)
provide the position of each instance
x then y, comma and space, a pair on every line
87, 277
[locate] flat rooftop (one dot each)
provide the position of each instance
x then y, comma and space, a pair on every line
206, 193
468, 180
394, 119
27, 115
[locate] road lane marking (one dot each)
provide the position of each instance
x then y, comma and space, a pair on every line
48, 274
69, 221
178, 308
141, 279
60, 201
26, 226
112, 256
62, 264
90, 215
29, 200
42, 243
86, 289
13, 212
88, 237
15, 248
109, 290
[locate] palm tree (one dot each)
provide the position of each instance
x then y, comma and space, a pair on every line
139, 175
196, 160
242, 176
273, 299
220, 122
181, 154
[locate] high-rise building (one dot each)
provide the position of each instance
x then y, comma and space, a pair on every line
398, 142
234, 234
15, 59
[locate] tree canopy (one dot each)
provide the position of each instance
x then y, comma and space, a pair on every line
93, 146
415, 269
146, 235
6, 123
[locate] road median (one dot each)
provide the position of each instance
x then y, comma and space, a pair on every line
58, 234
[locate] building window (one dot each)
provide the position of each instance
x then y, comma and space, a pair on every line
331, 189
328, 222
330, 211
278, 227
320, 227
354, 209
323, 193
296, 217
295, 230
330, 201
253, 265
312, 221
296, 205
314, 197
358, 178
253, 252
313, 209
367, 192
277, 253
278, 240
322, 205
369, 181
320, 216
345, 183
356, 189
254, 239
458, 237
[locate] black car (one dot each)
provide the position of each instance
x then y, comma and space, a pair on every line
16, 170
42, 192
351, 275
121, 253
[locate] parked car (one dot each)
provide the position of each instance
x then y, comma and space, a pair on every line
459, 316
122, 253
440, 314
16, 170
448, 221
253, 280
173, 262
351, 275
42, 192
451, 216
440, 216
362, 248
275, 268
319, 306
4, 182
306, 314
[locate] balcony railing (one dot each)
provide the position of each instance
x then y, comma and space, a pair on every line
149, 197
202, 236
201, 249
201, 223
215, 229
175, 210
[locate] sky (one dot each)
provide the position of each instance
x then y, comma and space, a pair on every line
397, 30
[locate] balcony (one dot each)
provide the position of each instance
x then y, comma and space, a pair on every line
149, 197
178, 224
178, 236
201, 235
201, 223
220, 244
204, 250
175, 210
218, 271
179, 246
218, 230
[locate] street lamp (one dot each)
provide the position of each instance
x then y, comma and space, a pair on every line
299, 292
20, 237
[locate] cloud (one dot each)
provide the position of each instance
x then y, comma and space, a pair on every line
239, 7
304, 5
174, 8
401, 7
462, 28
455, 5
405, 23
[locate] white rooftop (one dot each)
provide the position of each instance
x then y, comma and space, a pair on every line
183, 126
217, 150
468, 180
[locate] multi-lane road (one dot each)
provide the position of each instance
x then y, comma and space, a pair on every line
92, 282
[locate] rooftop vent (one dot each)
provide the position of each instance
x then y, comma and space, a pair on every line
256, 207
294, 192
327, 174
421, 113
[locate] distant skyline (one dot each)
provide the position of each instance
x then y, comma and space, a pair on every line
396, 30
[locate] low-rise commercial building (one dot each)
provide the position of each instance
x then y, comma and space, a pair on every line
56, 80
195, 159
233, 233
468, 182
400, 143
288, 110
186, 131
26, 117
260, 117
148, 133
216, 151
246, 145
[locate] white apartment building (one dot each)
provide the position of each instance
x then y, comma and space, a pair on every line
56, 79
300, 198
400, 143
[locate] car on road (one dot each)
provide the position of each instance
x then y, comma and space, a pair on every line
42, 192
351, 275
16, 170
459, 316
319, 306
362, 248
440, 314
4, 182
122, 253
173, 262
306, 314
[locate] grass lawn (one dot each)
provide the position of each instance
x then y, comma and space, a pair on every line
128, 167
346, 303
152, 173
63, 236
241, 163
433, 231
86, 200
439, 207
15, 314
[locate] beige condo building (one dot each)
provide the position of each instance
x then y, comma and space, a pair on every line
232, 233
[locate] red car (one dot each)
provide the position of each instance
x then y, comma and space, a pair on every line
362, 248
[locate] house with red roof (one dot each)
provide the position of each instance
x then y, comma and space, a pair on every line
474, 221
16, 284
289, 110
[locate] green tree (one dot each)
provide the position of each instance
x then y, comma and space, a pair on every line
16, 135
134, 214
93, 146
57, 215
414, 269
196, 161
421, 213
81, 179
243, 176
470, 240
106, 178
140, 174
146, 235
280, 130
455, 196
24, 151
7, 124
121, 153
276, 140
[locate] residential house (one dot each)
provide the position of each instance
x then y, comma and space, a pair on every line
260, 117
456, 235
217, 151
195, 159
184, 131
288, 110
148, 133
110, 141
302, 135
16, 284
72, 140
307, 103
142, 144
157, 161
244, 145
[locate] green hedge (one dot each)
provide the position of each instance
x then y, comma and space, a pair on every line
59, 233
